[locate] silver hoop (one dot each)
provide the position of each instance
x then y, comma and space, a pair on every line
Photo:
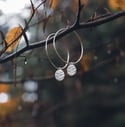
81, 45
71, 69
54, 43
59, 74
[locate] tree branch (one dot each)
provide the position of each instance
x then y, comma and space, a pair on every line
85, 25
80, 6
102, 20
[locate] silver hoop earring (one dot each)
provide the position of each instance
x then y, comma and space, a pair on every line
54, 44
71, 69
59, 74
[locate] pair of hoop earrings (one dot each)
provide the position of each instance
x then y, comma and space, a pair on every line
71, 68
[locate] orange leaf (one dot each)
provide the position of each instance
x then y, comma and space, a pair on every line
8, 107
85, 62
53, 3
117, 4
12, 38
4, 87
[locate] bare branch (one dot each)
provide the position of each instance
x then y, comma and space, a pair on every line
102, 20
99, 20
25, 37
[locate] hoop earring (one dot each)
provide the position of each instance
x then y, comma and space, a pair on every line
59, 74
71, 69
54, 43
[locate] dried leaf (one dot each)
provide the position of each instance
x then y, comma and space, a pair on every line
117, 4
53, 4
4, 87
9, 107
85, 62
12, 38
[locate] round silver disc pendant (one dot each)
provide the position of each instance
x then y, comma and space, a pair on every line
59, 75
71, 70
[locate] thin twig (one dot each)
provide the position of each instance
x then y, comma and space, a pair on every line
80, 6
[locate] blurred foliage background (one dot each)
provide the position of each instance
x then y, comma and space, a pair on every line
94, 97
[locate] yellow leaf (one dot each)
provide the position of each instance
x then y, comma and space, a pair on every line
4, 87
8, 107
53, 4
11, 36
85, 62
117, 4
